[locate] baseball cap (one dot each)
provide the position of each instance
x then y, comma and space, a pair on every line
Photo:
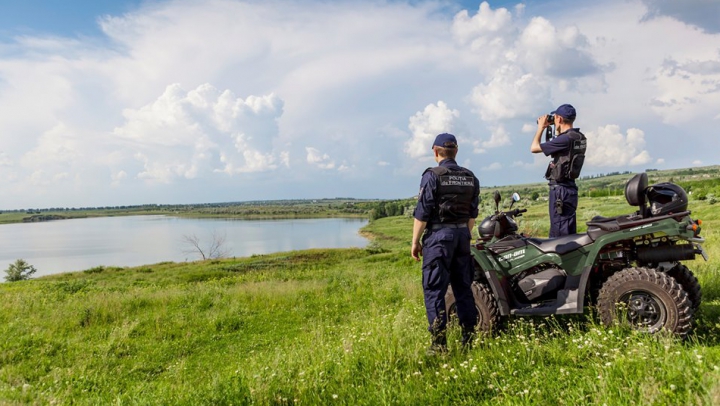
445, 140
565, 111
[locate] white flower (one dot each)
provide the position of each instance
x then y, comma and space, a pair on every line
335, 396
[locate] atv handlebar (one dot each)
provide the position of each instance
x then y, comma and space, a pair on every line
516, 212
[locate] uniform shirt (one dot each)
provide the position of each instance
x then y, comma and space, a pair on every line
556, 148
428, 186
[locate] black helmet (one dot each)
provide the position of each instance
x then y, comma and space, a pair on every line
486, 229
666, 198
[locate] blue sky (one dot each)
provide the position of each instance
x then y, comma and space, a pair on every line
65, 18
112, 103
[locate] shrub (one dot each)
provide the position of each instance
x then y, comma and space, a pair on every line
19, 271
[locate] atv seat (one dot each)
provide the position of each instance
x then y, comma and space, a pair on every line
561, 245
615, 223
604, 225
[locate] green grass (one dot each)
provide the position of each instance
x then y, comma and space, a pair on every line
330, 327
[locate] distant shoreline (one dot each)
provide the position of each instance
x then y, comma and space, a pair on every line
39, 218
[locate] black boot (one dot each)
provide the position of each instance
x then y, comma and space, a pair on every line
439, 344
468, 335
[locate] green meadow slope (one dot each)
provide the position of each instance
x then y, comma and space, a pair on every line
343, 326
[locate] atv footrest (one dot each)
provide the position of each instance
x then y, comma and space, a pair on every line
566, 303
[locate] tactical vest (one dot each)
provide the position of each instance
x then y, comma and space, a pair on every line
454, 195
569, 165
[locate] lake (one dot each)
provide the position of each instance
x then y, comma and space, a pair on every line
79, 244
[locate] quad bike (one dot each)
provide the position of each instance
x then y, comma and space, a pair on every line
628, 266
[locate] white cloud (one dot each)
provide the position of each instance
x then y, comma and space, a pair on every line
608, 147
529, 128
187, 134
499, 138
97, 121
493, 166
701, 13
5, 160
660, 161
490, 32
319, 159
426, 125
524, 63
687, 90
383, 163
510, 93
544, 50
697, 162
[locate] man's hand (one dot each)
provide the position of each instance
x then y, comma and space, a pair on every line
418, 230
416, 251
542, 122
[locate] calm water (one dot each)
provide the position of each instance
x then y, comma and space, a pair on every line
73, 245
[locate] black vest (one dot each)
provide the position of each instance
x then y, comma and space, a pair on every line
454, 195
567, 166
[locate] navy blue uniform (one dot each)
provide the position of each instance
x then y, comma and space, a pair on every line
564, 193
446, 255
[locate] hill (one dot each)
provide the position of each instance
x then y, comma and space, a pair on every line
331, 327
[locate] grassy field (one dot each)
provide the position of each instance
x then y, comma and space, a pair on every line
331, 327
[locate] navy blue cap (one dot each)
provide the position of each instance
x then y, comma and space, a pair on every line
445, 140
565, 111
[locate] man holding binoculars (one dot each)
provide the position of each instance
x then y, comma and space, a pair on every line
567, 150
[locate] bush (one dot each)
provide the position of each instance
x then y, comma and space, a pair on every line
19, 271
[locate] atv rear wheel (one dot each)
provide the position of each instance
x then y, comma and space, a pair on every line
485, 303
646, 299
689, 283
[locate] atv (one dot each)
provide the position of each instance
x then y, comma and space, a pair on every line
629, 267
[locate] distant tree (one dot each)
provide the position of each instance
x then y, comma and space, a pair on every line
215, 249
19, 271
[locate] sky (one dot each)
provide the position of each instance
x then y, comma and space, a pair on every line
106, 103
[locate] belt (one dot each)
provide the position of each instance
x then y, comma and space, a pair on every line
448, 225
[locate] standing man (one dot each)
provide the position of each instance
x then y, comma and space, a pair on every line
567, 150
444, 216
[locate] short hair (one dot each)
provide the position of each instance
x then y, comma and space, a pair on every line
567, 120
445, 152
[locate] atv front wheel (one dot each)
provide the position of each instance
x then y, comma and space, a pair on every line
646, 299
689, 283
485, 303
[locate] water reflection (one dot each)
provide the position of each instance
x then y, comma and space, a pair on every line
71, 245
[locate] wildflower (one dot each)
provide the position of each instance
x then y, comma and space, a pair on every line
335, 396
673, 387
